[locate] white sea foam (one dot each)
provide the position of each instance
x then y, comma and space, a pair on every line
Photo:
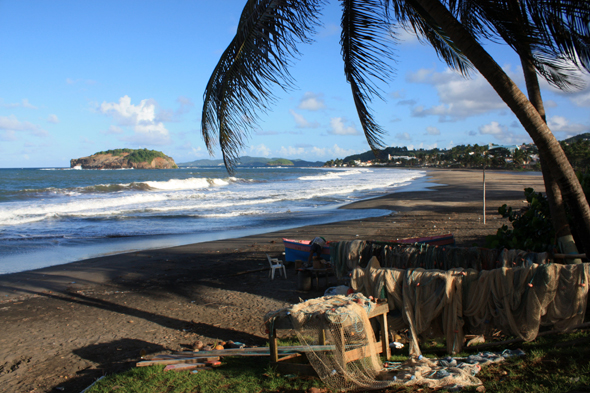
187, 184
83, 205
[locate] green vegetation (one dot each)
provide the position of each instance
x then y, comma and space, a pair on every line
462, 156
251, 374
577, 151
280, 162
135, 155
553, 363
532, 228
525, 157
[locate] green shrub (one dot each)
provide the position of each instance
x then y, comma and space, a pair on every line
136, 155
532, 227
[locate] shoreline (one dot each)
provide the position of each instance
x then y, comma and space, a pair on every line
58, 255
66, 325
444, 189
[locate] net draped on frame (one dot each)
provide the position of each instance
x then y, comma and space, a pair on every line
516, 300
336, 329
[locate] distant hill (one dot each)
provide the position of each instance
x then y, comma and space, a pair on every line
247, 161
125, 158
369, 155
583, 137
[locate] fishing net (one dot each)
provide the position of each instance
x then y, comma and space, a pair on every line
342, 348
516, 301
341, 341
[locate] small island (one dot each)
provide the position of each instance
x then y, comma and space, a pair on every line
125, 159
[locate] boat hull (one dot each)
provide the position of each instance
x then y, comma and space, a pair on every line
300, 249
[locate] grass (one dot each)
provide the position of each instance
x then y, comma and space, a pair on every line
558, 363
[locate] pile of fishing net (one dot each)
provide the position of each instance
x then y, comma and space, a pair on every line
339, 339
341, 347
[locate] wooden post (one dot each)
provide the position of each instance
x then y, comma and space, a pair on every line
384, 336
274, 349
484, 194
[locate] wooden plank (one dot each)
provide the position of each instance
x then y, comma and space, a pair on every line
230, 352
174, 361
184, 366
359, 353
171, 356
289, 357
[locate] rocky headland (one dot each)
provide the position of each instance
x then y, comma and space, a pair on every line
125, 159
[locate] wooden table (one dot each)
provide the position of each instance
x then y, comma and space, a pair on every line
296, 363
304, 272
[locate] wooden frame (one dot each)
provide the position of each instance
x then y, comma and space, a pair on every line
297, 363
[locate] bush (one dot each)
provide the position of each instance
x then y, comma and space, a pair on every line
136, 155
532, 226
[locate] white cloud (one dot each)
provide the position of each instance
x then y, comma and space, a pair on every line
561, 124
260, 150
459, 97
403, 136
301, 121
432, 131
186, 105
500, 132
312, 102
291, 151
398, 94
315, 153
338, 127
581, 99
404, 36
11, 123
24, 103
142, 118
52, 119
27, 104
8, 136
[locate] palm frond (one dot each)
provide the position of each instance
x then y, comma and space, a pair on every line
412, 17
255, 62
366, 46
568, 23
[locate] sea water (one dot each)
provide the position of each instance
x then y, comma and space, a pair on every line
54, 216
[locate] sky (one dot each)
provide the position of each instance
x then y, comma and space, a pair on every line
79, 77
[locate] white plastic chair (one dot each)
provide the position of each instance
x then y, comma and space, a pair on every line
275, 264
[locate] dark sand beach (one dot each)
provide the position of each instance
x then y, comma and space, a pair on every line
65, 326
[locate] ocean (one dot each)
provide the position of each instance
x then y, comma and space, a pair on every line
55, 216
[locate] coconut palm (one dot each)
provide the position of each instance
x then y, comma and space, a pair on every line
266, 40
551, 39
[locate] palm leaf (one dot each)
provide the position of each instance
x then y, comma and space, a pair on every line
256, 61
412, 17
366, 46
553, 34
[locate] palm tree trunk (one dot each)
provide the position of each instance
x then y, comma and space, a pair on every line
526, 113
556, 206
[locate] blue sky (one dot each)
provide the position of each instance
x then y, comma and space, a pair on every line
78, 77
